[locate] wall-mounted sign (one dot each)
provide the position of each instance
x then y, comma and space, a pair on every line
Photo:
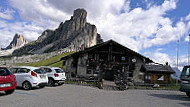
123, 58
134, 60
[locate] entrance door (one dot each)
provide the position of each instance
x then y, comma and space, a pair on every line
109, 75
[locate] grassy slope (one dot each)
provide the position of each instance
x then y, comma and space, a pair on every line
53, 61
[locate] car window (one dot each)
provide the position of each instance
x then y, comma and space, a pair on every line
185, 72
58, 70
39, 71
13, 70
4, 72
23, 70
47, 70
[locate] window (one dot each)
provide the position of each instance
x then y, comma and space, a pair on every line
13, 70
4, 72
130, 73
89, 71
95, 72
48, 70
132, 67
90, 56
123, 58
58, 71
39, 71
185, 72
96, 57
64, 63
22, 70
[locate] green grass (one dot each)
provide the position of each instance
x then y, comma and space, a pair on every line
53, 61
170, 87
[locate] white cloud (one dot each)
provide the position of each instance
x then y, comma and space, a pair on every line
135, 28
8, 30
6, 13
143, 28
160, 57
39, 12
187, 18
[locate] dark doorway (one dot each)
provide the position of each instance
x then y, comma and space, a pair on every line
109, 75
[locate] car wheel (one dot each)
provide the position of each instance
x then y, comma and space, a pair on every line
26, 85
100, 85
188, 94
9, 91
60, 83
51, 82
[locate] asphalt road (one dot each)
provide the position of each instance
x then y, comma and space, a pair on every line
83, 96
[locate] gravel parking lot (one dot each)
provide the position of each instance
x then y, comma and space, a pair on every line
83, 96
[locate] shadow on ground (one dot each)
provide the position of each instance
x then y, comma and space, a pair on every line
185, 104
2, 94
171, 97
36, 88
174, 97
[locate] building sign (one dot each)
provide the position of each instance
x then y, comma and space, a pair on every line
123, 58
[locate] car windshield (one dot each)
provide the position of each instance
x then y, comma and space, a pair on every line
58, 71
185, 72
39, 71
4, 72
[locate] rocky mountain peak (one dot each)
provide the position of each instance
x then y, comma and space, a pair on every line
71, 35
18, 41
80, 14
79, 17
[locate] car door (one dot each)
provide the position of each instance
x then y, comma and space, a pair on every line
22, 74
48, 72
16, 73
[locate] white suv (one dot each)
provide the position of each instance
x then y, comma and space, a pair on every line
55, 75
28, 77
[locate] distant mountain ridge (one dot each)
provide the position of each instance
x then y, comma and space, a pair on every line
72, 35
177, 73
17, 42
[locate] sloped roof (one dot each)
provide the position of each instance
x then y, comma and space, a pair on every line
157, 69
105, 43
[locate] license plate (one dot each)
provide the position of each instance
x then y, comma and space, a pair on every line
42, 76
5, 85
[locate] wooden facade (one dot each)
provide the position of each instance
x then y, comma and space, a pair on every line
109, 57
157, 74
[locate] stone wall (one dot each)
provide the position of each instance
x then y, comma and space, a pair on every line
136, 72
11, 61
81, 68
69, 67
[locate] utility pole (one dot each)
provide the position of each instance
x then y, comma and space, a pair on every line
177, 59
177, 52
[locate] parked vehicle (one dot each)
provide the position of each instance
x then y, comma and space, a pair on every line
7, 81
185, 80
28, 77
55, 75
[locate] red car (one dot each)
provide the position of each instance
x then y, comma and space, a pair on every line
7, 81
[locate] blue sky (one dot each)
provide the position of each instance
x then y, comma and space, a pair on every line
150, 27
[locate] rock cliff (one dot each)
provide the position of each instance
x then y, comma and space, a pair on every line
17, 42
70, 35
